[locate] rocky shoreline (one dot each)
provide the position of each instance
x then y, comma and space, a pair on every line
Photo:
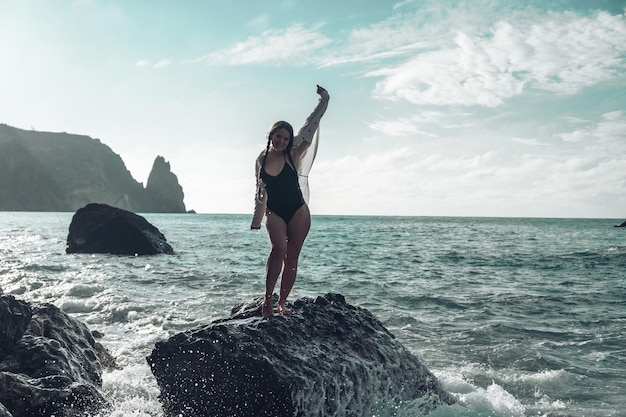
328, 358
50, 363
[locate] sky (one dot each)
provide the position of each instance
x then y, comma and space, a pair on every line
438, 108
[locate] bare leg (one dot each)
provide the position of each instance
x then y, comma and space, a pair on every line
277, 230
297, 230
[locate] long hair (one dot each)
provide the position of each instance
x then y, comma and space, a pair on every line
281, 124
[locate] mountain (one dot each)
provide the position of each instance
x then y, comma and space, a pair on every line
44, 171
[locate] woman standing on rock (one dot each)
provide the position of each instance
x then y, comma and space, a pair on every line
281, 175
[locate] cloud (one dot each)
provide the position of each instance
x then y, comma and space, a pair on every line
396, 37
259, 21
528, 141
561, 179
560, 53
413, 125
292, 46
400, 127
162, 63
574, 52
401, 3
142, 63
605, 136
423, 123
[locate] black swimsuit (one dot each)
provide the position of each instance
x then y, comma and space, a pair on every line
283, 192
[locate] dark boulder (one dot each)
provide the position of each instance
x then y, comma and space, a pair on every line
54, 369
4, 412
100, 228
329, 358
14, 318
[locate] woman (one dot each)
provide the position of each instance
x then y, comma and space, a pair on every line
280, 198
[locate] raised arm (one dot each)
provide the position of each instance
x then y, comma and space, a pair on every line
303, 139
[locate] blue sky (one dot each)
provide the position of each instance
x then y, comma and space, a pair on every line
451, 108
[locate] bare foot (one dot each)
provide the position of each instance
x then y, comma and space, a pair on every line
268, 309
284, 310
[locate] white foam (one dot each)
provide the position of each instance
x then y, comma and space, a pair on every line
84, 290
453, 381
545, 376
132, 391
494, 400
473, 400
73, 306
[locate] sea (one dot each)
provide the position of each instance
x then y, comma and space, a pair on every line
515, 316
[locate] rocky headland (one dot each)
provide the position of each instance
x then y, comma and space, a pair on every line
44, 171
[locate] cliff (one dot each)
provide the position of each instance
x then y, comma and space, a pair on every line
162, 190
44, 171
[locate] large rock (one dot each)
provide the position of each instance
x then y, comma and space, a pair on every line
54, 369
163, 192
100, 228
14, 318
327, 359
4, 412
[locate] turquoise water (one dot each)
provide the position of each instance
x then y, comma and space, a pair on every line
516, 317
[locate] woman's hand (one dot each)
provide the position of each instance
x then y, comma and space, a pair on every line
323, 93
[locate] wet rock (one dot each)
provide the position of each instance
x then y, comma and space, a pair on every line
100, 228
53, 369
4, 412
329, 358
14, 318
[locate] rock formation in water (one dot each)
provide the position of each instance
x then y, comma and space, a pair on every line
329, 358
50, 364
42, 171
100, 228
163, 192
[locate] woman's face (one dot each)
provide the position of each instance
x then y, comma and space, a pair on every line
280, 139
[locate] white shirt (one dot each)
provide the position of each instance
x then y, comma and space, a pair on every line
306, 141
